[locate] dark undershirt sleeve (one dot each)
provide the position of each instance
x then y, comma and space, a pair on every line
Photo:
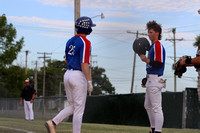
156, 64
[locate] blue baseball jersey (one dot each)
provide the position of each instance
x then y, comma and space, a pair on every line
156, 53
77, 51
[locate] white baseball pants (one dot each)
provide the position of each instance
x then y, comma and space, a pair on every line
153, 101
28, 109
76, 90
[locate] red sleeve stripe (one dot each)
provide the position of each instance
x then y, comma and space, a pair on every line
158, 52
86, 51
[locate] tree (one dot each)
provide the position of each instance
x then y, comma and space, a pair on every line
101, 83
54, 76
9, 48
197, 42
11, 81
54, 73
55, 70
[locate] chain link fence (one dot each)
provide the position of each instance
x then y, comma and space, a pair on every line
43, 107
181, 109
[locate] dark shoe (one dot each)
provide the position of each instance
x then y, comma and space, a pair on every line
152, 130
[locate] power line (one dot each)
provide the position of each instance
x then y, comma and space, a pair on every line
190, 25
38, 28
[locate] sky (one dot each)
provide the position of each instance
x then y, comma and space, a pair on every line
46, 25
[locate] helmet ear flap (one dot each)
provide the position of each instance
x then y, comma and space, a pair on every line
89, 30
83, 30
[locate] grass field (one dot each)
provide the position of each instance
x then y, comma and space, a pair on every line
11, 125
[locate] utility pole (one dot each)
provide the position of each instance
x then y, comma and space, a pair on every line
90, 67
77, 8
174, 41
134, 60
91, 64
44, 71
35, 80
26, 61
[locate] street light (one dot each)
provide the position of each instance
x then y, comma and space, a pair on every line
102, 16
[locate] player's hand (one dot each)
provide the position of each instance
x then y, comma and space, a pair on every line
182, 62
143, 86
89, 86
21, 103
31, 101
144, 58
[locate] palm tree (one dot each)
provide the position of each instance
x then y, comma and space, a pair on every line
197, 42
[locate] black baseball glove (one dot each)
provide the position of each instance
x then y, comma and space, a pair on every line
144, 81
178, 69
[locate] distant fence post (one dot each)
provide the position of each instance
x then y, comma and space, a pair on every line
184, 109
192, 108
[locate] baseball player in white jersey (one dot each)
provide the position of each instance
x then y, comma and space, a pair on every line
77, 78
155, 82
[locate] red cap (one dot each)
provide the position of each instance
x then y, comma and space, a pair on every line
26, 81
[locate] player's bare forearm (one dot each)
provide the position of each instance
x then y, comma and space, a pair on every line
66, 62
86, 70
21, 101
196, 61
32, 98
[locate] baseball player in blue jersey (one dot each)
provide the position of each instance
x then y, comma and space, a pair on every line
77, 78
155, 82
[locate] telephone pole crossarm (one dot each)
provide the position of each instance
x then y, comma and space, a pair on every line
171, 40
144, 34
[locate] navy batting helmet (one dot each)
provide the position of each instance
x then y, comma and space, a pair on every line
141, 45
84, 25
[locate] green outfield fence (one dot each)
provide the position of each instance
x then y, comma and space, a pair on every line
181, 109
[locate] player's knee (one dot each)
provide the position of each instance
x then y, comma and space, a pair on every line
70, 109
157, 109
147, 106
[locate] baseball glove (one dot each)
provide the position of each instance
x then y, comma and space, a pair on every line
144, 81
178, 69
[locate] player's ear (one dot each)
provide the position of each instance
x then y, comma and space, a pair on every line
157, 33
